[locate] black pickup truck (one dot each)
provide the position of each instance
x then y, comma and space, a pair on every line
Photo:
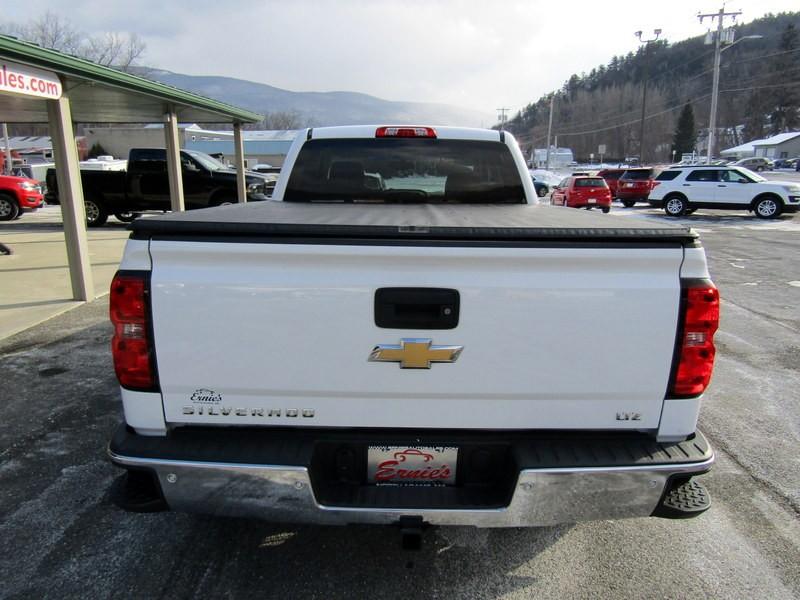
144, 186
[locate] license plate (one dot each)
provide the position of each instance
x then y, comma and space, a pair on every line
592, 200
414, 465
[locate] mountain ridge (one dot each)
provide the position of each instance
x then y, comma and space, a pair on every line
317, 109
759, 95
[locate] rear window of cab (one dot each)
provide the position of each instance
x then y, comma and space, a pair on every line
389, 170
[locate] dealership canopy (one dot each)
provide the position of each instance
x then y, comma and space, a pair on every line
39, 85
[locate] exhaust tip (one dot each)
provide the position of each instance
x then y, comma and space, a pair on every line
138, 491
411, 528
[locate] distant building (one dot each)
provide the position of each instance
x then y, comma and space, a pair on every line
742, 151
32, 155
783, 145
559, 158
259, 146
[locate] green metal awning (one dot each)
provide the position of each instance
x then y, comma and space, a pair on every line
38, 85
104, 95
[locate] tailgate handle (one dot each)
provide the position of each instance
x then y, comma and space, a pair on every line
416, 308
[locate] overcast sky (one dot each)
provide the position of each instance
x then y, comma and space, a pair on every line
476, 54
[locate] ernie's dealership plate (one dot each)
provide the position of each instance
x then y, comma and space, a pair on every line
432, 465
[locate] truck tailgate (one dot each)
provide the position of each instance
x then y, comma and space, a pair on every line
555, 335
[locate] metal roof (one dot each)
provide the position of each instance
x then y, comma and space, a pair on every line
776, 140
260, 147
101, 94
746, 147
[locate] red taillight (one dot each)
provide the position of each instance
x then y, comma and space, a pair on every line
700, 319
130, 345
415, 132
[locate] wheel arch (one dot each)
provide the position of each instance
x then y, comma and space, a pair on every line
220, 194
680, 195
764, 195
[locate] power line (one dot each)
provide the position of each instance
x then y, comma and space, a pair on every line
762, 87
677, 106
752, 58
606, 117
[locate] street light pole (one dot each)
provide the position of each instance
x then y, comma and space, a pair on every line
502, 117
712, 119
549, 131
8, 163
646, 43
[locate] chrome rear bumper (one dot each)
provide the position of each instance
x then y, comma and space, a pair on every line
545, 496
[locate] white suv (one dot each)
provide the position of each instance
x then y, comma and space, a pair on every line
682, 190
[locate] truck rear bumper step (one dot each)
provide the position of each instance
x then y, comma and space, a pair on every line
540, 495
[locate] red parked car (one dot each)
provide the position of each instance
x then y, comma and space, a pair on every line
18, 195
612, 178
634, 186
582, 192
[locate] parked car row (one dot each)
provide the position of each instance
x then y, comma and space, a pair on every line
680, 190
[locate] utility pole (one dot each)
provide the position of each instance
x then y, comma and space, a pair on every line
555, 146
646, 43
502, 117
8, 163
549, 130
712, 120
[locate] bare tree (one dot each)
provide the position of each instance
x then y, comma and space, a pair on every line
282, 120
118, 50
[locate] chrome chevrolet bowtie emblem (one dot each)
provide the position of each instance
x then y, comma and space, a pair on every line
415, 353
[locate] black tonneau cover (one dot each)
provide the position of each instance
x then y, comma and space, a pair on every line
316, 222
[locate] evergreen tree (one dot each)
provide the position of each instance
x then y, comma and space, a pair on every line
685, 133
97, 150
754, 117
786, 100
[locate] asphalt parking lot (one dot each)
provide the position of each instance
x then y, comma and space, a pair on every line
60, 537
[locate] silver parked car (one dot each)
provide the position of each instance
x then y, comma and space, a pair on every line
755, 163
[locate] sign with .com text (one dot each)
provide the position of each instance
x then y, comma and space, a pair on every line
29, 81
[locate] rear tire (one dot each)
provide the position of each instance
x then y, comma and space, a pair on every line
542, 192
127, 217
768, 207
9, 209
675, 206
96, 213
628, 203
606, 210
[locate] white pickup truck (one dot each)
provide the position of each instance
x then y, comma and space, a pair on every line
404, 335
